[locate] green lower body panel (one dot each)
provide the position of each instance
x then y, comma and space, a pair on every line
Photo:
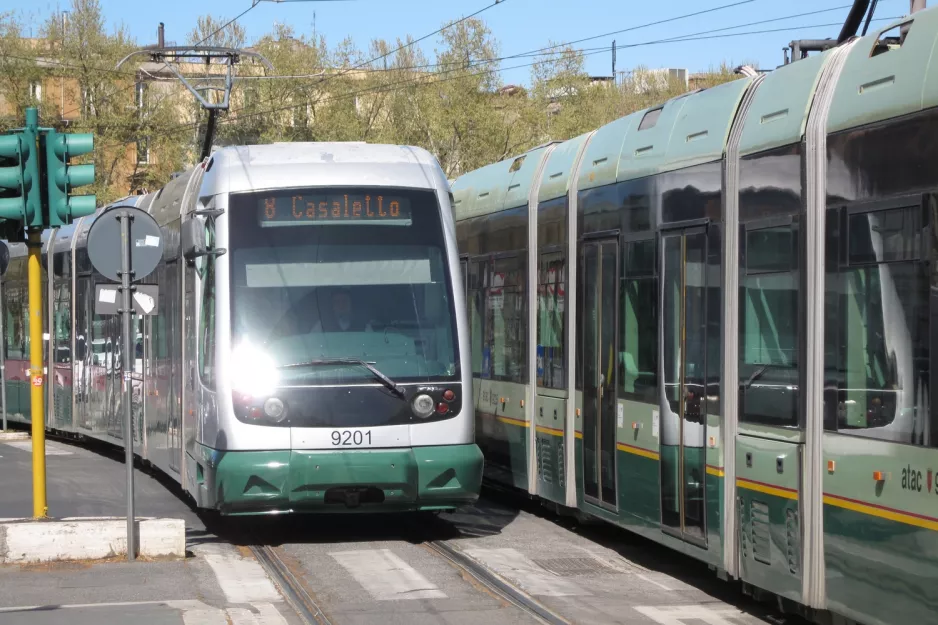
879, 570
385, 480
550, 467
768, 509
639, 501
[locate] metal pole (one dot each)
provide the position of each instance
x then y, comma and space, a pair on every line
3, 375
37, 416
127, 313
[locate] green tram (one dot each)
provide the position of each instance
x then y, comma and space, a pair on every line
710, 323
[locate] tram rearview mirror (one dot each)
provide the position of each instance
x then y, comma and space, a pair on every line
194, 241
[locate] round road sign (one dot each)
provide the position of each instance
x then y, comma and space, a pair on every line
104, 243
4, 258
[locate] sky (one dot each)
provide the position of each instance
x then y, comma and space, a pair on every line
519, 26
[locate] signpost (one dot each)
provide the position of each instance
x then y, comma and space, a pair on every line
125, 244
4, 264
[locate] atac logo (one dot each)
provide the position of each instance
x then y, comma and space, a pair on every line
912, 479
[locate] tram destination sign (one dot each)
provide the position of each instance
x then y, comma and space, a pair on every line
275, 210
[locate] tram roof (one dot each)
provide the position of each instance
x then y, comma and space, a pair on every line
285, 165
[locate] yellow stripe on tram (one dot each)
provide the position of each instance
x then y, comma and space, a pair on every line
546, 430
638, 451
882, 512
768, 489
521, 423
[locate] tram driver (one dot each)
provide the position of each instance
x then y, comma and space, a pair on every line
340, 315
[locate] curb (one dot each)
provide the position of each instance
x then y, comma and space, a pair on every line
27, 541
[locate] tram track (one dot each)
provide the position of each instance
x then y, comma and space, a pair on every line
496, 584
291, 588
311, 613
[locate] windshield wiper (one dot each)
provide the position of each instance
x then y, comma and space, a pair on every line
388, 382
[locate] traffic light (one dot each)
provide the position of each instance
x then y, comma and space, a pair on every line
62, 177
20, 199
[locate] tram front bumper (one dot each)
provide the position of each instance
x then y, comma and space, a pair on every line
363, 480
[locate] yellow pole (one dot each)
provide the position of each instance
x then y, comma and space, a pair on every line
37, 418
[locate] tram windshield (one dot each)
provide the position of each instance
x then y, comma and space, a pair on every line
320, 274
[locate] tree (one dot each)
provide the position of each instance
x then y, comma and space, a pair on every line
92, 89
19, 70
217, 32
451, 102
457, 112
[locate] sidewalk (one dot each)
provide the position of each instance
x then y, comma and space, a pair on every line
83, 483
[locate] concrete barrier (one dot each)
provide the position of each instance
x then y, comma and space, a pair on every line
27, 541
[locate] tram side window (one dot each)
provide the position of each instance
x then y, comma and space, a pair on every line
638, 337
475, 300
877, 359
17, 323
10, 345
207, 314
63, 321
769, 328
551, 370
505, 320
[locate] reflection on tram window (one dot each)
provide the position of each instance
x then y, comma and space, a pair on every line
551, 367
884, 236
505, 320
207, 311
877, 357
374, 291
496, 292
476, 303
638, 338
768, 326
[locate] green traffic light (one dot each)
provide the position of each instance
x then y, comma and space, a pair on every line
11, 208
79, 144
10, 146
16, 177
12, 177
82, 205
80, 175
63, 177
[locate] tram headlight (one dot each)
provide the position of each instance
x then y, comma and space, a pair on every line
423, 405
253, 371
275, 409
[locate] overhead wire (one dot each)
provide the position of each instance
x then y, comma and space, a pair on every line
418, 40
471, 63
526, 54
422, 81
165, 63
589, 52
440, 76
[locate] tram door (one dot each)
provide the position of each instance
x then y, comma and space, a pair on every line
683, 401
600, 289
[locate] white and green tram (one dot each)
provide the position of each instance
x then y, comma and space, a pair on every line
710, 322
308, 351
